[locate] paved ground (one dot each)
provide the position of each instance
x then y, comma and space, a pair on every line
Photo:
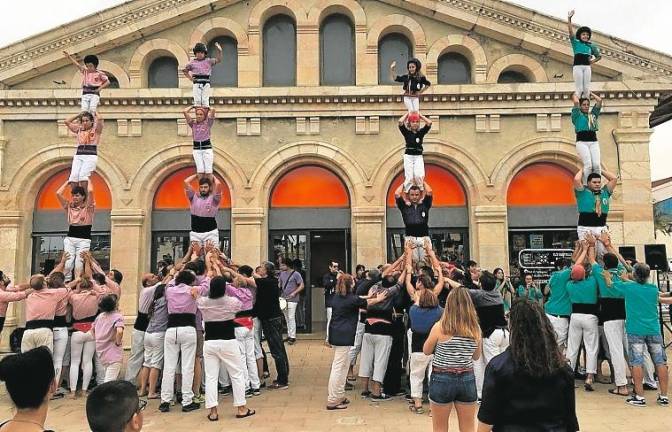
301, 408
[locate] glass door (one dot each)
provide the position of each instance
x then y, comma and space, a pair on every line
294, 247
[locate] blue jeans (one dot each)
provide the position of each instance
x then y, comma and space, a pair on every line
653, 343
445, 388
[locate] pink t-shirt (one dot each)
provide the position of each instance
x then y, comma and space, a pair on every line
204, 207
84, 304
201, 130
7, 296
105, 329
200, 67
93, 79
89, 136
41, 305
80, 215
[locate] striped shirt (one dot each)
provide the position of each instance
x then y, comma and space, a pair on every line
456, 352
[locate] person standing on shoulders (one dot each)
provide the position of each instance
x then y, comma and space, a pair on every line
592, 202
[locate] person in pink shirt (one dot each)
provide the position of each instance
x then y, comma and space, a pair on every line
56, 279
79, 211
9, 293
198, 72
88, 128
93, 81
40, 311
204, 205
200, 130
108, 331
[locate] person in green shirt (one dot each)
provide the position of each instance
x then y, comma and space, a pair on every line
558, 307
503, 284
592, 203
586, 125
585, 54
642, 326
530, 290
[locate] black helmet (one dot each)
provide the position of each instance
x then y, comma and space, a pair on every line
200, 47
584, 29
416, 62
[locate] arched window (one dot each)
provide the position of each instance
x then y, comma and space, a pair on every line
224, 74
393, 47
512, 77
279, 51
454, 68
337, 51
162, 73
114, 82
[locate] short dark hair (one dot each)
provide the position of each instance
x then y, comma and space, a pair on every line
297, 264
610, 261
583, 99
205, 180
111, 405
99, 278
414, 188
641, 273
91, 59
56, 280
28, 377
471, 263
217, 287
245, 270
425, 281
78, 190
37, 282
87, 115
584, 29
593, 176
118, 276
185, 277
200, 47
197, 266
388, 281
108, 303
488, 281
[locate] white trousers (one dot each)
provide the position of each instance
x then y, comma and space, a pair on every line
583, 327
582, 231
82, 350
35, 338
82, 167
179, 342
495, 344
245, 338
414, 171
328, 322
202, 238
479, 374
258, 353
375, 354
203, 160
290, 319
420, 368
137, 356
419, 250
153, 350
560, 327
226, 354
359, 335
582, 75
614, 332
60, 344
74, 247
90, 102
589, 153
338, 375
112, 372
201, 95
412, 103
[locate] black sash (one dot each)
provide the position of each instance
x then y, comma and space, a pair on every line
581, 59
592, 219
586, 136
220, 330
181, 320
141, 322
80, 231
38, 324
87, 149
200, 224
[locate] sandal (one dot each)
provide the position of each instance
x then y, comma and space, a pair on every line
345, 401
213, 419
352, 378
614, 391
249, 413
417, 410
340, 406
588, 386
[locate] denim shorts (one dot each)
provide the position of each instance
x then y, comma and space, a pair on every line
654, 344
445, 388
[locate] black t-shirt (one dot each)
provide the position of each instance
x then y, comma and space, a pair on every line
343, 324
362, 289
413, 83
267, 304
416, 217
414, 139
329, 283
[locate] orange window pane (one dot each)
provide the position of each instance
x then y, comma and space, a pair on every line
541, 184
447, 189
310, 186
171, 196
46, 199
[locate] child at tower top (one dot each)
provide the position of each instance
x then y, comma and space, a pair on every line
414, 83
93, 81
585, 54
198, 72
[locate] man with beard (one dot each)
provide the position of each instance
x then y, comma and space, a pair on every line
204, 205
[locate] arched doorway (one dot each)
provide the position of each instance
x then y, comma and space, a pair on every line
50, 225
309, 220
171, 220
448, 218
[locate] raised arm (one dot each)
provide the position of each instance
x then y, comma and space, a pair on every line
578, 180
427, 121
575, 100
611, 180
582, 253
74, 61
60, 267
427, 188
219, 56
570, 28
398, 191
60, 194
187, 184
402, 119
591, 248
90, 197
70, 121
393, 71
597, 99
211, 113
186, 114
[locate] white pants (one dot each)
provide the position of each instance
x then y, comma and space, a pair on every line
74, 246
223, 353
412, 103
414, 171
137, 356
112, 372
203, 160
582, 231
245, 338
583, 327
35, 338
359, 335
60, 343
100, 369
614, 332
90, 102
202, 238
495, 344
589, 153
82, 350
179, 341
419, 370
338, 375
290, 319
419, 250
560, 327
375, 354
201, 95
328, 322
82, 167
479, 375
258, 353
153, 350
649, 369
582, 75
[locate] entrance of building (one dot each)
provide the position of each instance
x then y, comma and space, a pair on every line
314, 248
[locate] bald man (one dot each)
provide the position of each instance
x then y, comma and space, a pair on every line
145, 299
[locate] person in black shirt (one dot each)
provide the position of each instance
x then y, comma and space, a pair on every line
329, 283
415, 214
529, 386
361, 289
414, 83
414, 165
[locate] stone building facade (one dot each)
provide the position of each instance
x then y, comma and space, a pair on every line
508, 114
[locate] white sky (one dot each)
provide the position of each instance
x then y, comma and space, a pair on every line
645, 22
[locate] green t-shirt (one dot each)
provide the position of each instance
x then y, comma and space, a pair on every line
641, 308
605, 290
583, 292
580, 47
533, 294
586, 122
585, 200
558, 302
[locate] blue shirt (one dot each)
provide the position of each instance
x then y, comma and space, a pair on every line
422, 319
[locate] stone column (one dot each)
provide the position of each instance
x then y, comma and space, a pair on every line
128, 254
307, 56
13, 263
248, 236
360, 49
489, 236
3, 143
368, 236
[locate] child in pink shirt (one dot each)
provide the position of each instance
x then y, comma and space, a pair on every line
108, 330
198, 72
93, 81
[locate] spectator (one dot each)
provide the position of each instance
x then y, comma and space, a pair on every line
115, 407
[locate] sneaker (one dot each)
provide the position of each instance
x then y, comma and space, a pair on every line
278, 386
349, 386
663, 401
395, 394
365, 394
191, 407
249, 393
650, 387
381, 398
164, 407
256, 392
225, 391
199, 399
291, 341
479, 401
635, 400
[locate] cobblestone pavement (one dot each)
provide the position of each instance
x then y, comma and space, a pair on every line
301, 408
